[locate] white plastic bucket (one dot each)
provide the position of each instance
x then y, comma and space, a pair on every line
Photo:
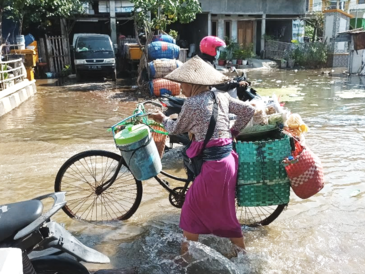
20, 41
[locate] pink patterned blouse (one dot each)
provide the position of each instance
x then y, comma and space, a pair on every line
196, 113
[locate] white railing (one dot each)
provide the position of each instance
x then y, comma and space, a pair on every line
8, 76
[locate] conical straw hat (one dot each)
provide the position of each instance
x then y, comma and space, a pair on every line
198, 72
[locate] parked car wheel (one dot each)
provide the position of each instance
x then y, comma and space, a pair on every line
114, 75
78, 76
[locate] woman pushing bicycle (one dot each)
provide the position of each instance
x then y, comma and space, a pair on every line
209, 207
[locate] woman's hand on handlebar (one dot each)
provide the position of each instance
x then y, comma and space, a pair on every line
157, 116
243, 84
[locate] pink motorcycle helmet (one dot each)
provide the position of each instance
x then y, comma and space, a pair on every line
210, 44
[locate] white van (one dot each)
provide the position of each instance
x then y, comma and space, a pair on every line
93, 55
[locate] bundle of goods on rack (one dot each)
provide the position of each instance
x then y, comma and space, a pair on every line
163, 54
263, 146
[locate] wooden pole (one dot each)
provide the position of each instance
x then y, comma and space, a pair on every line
49, 54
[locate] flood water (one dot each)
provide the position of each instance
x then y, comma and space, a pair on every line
323, 234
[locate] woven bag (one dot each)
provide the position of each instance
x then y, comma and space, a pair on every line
161, 67
161, 86
159, 50
160, 139
305, 174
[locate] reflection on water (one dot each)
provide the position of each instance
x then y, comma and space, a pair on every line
323, 234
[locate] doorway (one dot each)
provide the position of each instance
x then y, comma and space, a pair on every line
245, 33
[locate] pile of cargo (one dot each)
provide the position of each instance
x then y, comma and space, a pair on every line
164, 54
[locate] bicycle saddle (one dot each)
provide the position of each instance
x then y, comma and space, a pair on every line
14, 217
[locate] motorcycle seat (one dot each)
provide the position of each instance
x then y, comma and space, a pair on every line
16, 216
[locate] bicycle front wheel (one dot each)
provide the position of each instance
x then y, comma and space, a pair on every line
80, 177
259, 215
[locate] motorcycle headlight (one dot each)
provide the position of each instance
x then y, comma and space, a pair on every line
109, 60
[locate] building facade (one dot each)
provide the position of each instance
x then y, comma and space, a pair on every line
246, 22
250, 21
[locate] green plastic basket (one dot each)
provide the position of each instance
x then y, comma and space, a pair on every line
262, 180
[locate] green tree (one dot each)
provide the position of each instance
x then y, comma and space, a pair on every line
40, 10
158, 14
155, 15
315, 24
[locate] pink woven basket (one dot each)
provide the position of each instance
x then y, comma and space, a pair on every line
305, 173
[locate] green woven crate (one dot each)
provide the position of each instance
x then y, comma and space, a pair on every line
262, 179
263, 194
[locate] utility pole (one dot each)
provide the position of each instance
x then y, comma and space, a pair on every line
356, 16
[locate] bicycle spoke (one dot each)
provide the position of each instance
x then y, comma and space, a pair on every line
105, 173
89, 169
110, 207
73, 176
108, 173
111, 197
76, 187
81, 203
107, 212
82, 176
88, 208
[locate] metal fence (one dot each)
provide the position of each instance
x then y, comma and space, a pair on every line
58, 53
277, 50
11, 72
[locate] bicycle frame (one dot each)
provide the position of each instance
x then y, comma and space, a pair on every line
165, 184
162, 182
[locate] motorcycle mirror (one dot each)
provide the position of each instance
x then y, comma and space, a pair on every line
233, 69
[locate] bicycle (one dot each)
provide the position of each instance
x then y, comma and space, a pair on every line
100, 187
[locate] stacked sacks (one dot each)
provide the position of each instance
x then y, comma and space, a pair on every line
161, 67
164, 38
164, 53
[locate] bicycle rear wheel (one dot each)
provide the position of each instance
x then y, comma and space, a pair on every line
82, 174
259, 215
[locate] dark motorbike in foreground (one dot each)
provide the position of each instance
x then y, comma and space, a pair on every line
23, 225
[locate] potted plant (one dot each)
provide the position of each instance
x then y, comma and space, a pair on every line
244, 56
222, 58
238, 54
246, 53
235, 56
283, 63
291, 59
232, 47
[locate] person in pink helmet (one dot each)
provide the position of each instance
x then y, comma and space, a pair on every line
210, 47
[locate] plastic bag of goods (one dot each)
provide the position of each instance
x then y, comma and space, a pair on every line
164, 38
160, 86
260, 117
160, 50
161, 67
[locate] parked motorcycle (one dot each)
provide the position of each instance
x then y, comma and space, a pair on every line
23, 225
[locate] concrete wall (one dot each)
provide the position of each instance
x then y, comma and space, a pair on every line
12, 97
193, 32
358, 59
277, 7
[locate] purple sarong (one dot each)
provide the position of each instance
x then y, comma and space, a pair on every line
209, 206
